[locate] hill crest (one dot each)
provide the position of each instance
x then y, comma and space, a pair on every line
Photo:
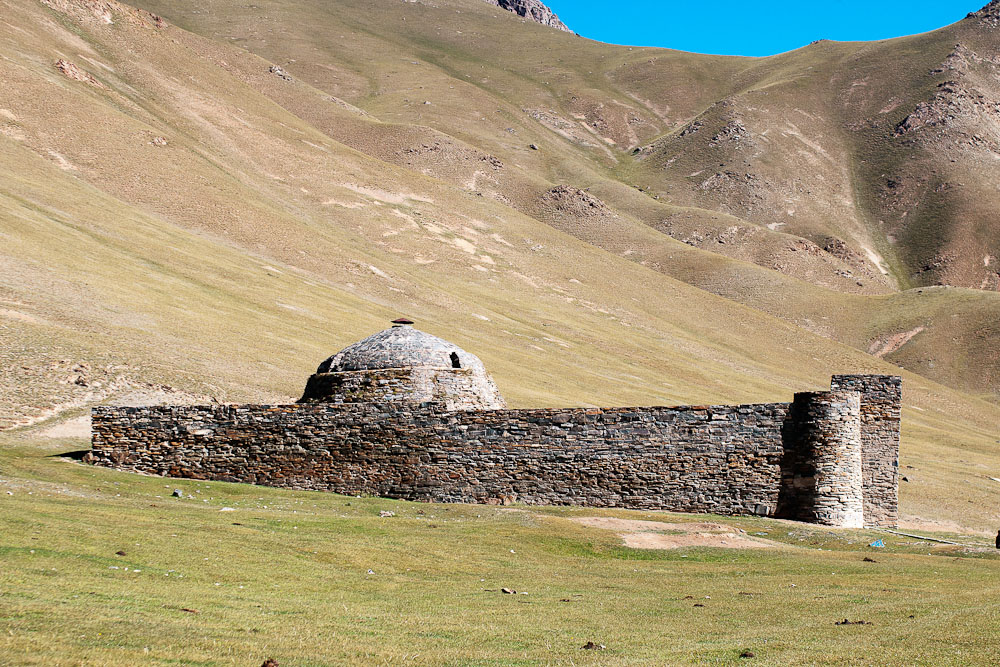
989, 15
532, 9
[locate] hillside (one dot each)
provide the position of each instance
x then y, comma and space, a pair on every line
201, 201
769, 161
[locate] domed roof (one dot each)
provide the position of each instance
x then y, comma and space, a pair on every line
401, 346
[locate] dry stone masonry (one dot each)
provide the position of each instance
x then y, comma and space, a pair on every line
393, 416
402, 363
881, 404
822, 471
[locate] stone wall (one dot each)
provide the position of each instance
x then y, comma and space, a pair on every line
881, 405
829, 457
723, 459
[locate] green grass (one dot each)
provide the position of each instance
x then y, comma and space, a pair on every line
232, 260
285, 575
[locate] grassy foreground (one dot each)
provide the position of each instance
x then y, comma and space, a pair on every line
312, 578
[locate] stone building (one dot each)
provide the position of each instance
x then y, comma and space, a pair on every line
404, 414
404, 364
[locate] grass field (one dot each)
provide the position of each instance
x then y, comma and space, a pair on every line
285, 575
187, 223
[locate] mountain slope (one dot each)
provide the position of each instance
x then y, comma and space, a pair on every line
184, 218
532, 9
644, 131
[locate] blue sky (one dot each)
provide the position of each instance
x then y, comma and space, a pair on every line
753, 28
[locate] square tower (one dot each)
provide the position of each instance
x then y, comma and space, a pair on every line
881, 404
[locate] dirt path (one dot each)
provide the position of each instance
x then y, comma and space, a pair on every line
658, 535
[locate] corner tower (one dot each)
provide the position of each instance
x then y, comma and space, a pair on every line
881, 404
821, 479
404, 364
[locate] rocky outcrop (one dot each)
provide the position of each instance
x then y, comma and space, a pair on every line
989, 16
953, 102
532, 9
576, 202
71, 71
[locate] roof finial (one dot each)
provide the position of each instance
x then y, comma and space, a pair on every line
401, 322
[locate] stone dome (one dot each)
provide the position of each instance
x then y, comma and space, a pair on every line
401, 346
404, 364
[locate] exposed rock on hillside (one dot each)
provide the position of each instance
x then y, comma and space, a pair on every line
989, 15
279, 72
71, 71
532, 9
692, 128
567, 199
106, 12
953, 101
561, 126
734, 132
614, 123
738, 191
452, 161
958, 61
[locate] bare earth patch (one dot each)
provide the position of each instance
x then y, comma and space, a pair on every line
78, 427
890, 344
659, 535
913, 522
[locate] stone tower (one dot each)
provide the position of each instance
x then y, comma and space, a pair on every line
404, 364
881, 404
821, 467
840, 465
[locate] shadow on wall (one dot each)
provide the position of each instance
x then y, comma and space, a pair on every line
821, 478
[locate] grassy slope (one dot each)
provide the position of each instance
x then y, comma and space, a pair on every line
285, 575
481, 104
287, 245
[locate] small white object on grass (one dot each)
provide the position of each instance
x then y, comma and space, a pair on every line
227, 509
